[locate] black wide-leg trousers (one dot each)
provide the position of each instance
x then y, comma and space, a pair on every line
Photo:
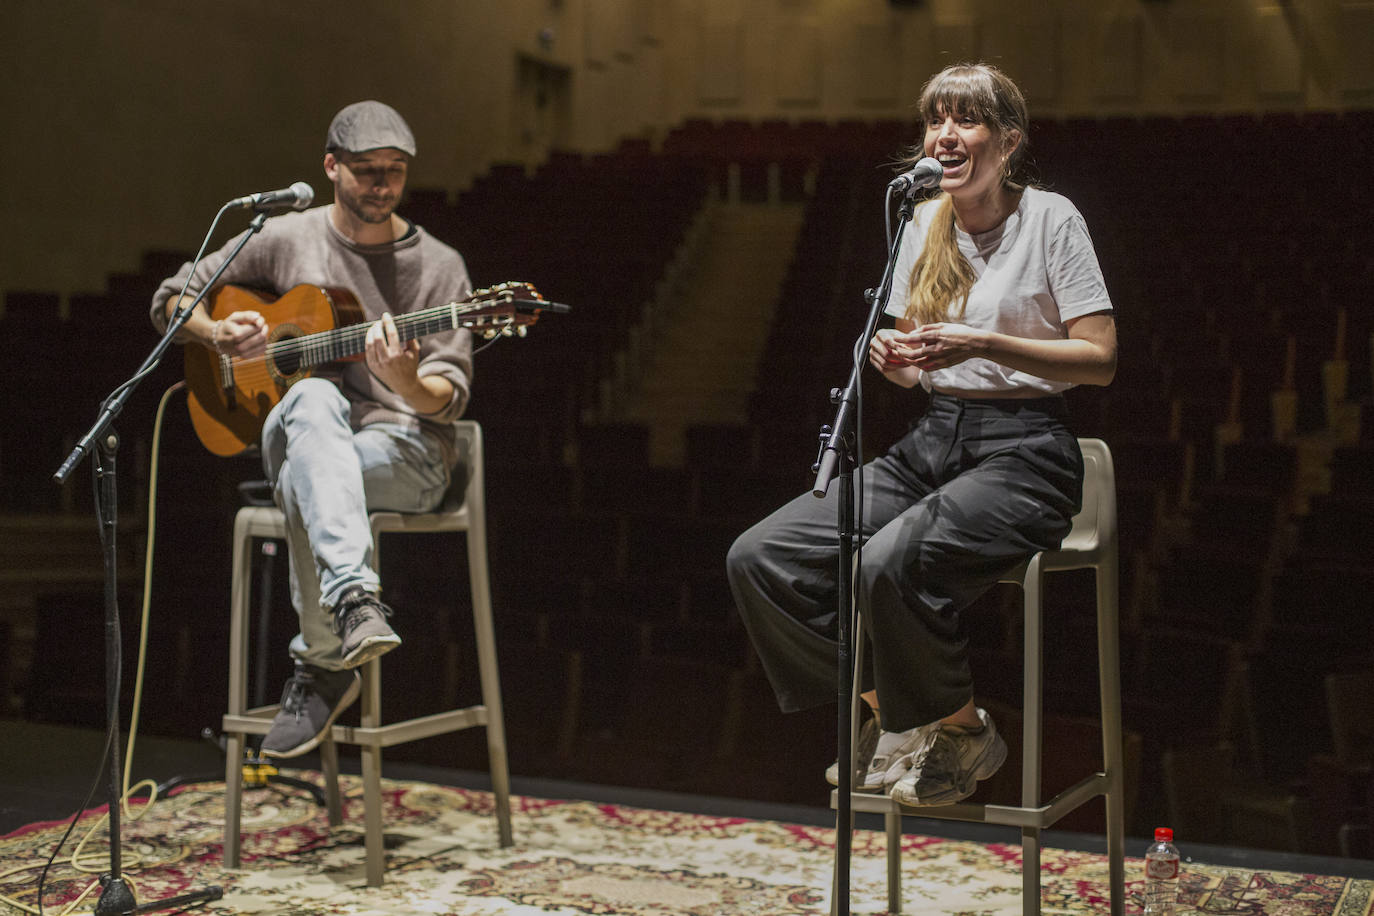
970, 492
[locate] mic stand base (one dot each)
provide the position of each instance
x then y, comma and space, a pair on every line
181, 902
115, 897
117, 900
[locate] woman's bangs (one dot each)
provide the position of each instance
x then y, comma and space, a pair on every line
965, 94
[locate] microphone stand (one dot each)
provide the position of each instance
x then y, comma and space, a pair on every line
836, 461
116, 897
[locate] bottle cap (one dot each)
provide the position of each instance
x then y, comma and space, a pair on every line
1164, 835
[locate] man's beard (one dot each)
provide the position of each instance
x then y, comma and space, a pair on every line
368, 213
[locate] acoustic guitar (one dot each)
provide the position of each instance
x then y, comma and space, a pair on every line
312, 326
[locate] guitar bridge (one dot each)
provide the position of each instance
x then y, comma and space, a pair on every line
226, 380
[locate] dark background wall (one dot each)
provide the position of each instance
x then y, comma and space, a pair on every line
1217, 153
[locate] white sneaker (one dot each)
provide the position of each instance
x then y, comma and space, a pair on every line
889, 755
949, 767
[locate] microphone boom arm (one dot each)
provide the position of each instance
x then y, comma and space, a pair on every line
114, 403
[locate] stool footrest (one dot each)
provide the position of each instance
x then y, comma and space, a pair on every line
1005, 815
411, 729
259, 721
249, 722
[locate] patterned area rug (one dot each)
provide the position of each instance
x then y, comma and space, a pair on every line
582, 858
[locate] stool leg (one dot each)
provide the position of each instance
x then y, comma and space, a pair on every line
372, 775
893, 821
264, 636
233, 797
1116, 847
1030, 871
835, 860
488, 673
329, 766
1113, 752
372, 815
1032, 730
238, 688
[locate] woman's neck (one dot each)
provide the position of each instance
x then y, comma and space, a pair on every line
986, 212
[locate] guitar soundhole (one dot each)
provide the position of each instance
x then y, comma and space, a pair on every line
284, 360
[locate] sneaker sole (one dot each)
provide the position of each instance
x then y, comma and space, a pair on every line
348, 699
370, 648
832, 776
989, 764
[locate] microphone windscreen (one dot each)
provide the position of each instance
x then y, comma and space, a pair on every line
305, 195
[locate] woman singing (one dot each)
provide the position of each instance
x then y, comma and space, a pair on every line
999, 306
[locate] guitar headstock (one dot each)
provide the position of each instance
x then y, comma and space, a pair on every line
506, 309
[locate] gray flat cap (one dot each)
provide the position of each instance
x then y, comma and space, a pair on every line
369, 125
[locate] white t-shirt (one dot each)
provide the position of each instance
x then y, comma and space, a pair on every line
1035, 271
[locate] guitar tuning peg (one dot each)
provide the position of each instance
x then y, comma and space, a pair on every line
489, 333
506, 331
520, 331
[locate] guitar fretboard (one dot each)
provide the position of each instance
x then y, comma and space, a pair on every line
340, 343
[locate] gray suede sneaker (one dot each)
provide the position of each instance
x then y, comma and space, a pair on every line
863, 754
312, 700
884, 756
360, 622
949, 770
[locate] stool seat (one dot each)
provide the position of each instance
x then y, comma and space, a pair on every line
1091, 544
256, 493
463, 512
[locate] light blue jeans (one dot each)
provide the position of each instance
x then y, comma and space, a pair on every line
326, 477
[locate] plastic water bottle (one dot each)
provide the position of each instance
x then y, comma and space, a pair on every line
1161, 874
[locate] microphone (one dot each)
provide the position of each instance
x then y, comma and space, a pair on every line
299, 196
925, 174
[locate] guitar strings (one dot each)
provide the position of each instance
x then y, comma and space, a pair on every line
259, 368
424, 322
332, 344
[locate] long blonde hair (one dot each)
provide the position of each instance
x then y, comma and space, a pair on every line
942, 278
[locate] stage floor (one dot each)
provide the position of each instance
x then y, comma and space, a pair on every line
47, 771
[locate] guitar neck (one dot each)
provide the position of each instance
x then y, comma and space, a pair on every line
342, 343
229, 397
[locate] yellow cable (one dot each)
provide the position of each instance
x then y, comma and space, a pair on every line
147, 595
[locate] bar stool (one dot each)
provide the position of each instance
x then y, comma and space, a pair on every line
1091, 544
463, 511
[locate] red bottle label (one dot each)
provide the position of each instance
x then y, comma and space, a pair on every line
1161, 868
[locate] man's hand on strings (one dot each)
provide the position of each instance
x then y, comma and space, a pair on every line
391, 359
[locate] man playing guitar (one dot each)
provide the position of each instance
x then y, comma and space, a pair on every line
375, 433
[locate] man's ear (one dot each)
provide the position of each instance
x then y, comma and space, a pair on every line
331, 166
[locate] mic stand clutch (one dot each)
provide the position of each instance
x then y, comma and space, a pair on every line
836, 460
116, 897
